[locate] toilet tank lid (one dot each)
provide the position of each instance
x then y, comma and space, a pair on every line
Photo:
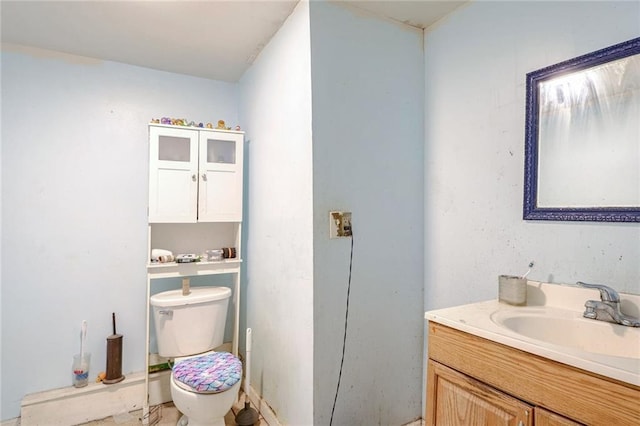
197, 295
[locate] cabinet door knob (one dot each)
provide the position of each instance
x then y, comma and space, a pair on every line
204, 177
193, 178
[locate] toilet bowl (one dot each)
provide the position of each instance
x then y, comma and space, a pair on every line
204, 384
201, 409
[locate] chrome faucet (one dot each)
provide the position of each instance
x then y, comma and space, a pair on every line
608, 307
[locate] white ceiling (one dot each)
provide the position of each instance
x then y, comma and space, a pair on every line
211, 39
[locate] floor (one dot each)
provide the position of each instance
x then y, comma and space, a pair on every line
167, 415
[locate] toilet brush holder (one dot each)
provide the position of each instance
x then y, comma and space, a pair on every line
114, 357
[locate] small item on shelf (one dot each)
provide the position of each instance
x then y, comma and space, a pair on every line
161, 256
213, 255
190, 123
229, 252
163, 366
186, 258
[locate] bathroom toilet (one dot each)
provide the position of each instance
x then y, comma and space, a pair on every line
204, 384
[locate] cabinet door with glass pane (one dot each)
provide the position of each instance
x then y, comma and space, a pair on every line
173, 175
220, 183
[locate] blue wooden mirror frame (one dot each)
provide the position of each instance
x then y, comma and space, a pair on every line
531, 211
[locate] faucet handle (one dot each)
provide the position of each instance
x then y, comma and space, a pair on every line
607, 294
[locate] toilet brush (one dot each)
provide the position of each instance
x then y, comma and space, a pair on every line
114, 356
83, 340
247, 416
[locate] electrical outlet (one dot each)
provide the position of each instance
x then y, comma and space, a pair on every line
339, 224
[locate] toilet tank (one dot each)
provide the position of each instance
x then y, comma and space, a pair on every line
188, 325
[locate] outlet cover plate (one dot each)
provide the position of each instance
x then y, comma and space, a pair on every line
339, 224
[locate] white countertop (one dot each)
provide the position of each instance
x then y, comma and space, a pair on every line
567, 301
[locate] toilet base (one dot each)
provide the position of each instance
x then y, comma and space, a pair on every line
203, 409
184, 421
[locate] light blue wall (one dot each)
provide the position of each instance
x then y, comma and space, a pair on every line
368, 91
74, 206
275, 108
74, 196
476, 62
367, 100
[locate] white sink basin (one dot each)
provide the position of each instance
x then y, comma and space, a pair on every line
569, 329
552, 326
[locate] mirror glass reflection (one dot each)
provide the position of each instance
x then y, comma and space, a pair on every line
589, 137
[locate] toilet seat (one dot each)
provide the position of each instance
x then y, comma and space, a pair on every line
211, 373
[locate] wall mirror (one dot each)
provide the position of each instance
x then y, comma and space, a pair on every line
582, 138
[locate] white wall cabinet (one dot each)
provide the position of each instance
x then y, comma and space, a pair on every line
195, 204
195, 175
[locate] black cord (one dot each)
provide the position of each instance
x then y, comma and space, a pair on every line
346, 321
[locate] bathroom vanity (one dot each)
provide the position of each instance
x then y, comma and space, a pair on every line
487, 365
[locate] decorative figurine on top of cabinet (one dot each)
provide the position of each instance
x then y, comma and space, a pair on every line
184, 122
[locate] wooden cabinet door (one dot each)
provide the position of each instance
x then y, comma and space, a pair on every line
454, 399
548, 418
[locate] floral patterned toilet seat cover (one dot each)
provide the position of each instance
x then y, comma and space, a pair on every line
211, 373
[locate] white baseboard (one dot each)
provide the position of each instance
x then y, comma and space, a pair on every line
96, 401
271, 419
263, 408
